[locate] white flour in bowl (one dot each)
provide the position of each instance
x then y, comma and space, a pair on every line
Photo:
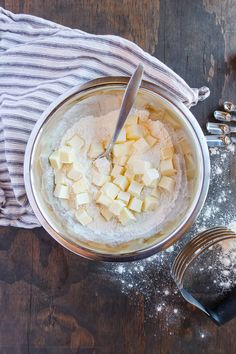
99, 129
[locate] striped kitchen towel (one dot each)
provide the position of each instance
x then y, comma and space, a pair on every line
40, 60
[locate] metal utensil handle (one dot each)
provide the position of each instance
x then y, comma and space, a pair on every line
225, 310
127, 103
218, 140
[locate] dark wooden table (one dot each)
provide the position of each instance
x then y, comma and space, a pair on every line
52, 301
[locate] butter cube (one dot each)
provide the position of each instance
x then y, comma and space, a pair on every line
95, 150
123, 149
143, 115
105, 212
61, 191
121, 137
76, 142
141, 145
129, 174
83, 217
133, 132
184, 145
155, 192
103, 165
122, 182
190, 166
167, 152
132, 119
126, 216
167, 183
82, 198
81, 185
150, 176
60, 177
111, 190
117, 170
167, 168
116, 206
135, 204
121, 161
138, 166
55, 161
124, 196
99, 179
135, 188
75, 172
151, 140
67, 154
104, 199
150, 203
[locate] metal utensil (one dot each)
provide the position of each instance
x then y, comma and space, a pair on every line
229, 107
219, 140
220, 128
224, 116
126, 105
226, 309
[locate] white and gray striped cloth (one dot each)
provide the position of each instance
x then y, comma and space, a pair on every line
39, 60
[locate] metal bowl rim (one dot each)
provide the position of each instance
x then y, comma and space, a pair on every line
176, 234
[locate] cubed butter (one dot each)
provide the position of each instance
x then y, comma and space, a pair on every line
190, 166
132, 119
150, 176
83, 217
133, 132
150, 203
167, 152
67, 154
151, 140
99, 179
76, 142
137, 166
129, 174
123, 149
81, 185
167, 168
126, 216
103, 165
105, 212
122, 182
121, 161
185, 146
95, 150
124, 196
141, 145
82, 198
143, 115
121, 137
167, 183
103, 199
135, 204
61, 191
111, 190
117, 170
75, 172
55, 160
135, 188
60, 177
116, 206
155, 192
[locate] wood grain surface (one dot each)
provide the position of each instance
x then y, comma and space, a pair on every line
52, 301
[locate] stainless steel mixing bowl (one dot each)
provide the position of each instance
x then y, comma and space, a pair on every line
102, 88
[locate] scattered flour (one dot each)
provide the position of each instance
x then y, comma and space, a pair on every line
151, 277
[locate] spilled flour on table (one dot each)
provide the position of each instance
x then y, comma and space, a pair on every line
150, 279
